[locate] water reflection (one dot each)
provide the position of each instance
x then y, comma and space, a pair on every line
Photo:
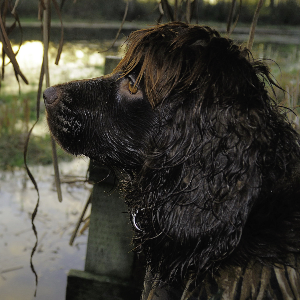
55, 223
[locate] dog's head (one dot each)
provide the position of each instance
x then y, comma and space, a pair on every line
100, 118
186, 113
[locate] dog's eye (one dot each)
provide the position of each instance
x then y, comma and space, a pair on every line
132, 87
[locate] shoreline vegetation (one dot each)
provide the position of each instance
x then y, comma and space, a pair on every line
107, 30
128, 25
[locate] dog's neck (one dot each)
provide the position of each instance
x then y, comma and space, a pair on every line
171, 234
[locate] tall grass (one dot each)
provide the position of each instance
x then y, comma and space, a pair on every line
14, 113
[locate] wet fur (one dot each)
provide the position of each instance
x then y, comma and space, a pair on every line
207, 161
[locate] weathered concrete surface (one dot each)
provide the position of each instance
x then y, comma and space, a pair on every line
86, 286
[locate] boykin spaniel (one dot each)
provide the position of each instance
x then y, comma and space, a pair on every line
207, 160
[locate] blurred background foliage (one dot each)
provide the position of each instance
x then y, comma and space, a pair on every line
276, 12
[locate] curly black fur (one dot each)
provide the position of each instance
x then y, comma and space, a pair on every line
207, 160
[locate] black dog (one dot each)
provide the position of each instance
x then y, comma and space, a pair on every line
208, 163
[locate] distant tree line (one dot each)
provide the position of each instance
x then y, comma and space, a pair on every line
284, 13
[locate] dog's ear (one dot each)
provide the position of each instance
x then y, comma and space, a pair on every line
167, 58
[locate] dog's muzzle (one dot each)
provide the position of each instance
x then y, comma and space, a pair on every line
50, 95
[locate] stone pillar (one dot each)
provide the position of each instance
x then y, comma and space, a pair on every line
108, 250
109, 267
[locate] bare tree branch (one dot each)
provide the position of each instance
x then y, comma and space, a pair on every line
254, 23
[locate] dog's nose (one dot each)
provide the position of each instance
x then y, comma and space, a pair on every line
50, 95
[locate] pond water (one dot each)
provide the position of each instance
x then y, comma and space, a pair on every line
56, 221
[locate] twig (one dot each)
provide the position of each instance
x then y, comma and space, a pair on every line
46, 34
85, 226
9, 52
15, 6
11, 269
121, 26
230, 17
188, 11
79, 221
254, 23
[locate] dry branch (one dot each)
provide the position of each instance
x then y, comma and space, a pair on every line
254, 23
